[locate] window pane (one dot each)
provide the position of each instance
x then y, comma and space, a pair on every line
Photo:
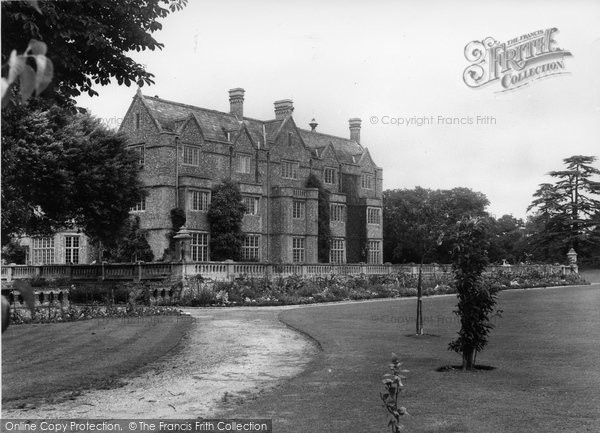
71, 249
191, 155
243, 164
251, 248
199, 247
337, 252
199, 200
330, 175
289, 170
297, 250
42, 251
251, 204
298, 208
139, 206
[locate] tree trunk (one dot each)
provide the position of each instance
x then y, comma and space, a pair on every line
468, 359
419, 324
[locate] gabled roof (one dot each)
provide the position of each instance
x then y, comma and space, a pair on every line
345, 149
172, 116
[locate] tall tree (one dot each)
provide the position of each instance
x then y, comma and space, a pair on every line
568, 209
507, 239
324, 229
63, 170
88, 41
225, 217
413, 220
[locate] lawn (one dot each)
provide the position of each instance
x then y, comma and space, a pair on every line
545, 350
51, 362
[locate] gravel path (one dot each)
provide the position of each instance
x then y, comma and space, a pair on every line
230, 354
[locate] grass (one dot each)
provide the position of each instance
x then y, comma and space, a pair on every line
545, 350
52, 361
591, 275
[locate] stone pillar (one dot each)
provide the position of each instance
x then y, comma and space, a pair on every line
572, 257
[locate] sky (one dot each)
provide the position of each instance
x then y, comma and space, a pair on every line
383, 61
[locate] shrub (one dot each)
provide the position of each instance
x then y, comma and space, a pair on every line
99, 293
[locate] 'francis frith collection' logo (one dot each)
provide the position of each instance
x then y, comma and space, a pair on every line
515, 63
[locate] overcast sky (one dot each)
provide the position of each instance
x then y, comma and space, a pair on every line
343, 59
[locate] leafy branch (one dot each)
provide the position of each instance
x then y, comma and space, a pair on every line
393, 384
20, 70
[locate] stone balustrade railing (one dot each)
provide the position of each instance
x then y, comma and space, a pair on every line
229, 270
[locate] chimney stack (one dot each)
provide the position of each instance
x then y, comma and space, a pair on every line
355, 129
236, 102
283, 108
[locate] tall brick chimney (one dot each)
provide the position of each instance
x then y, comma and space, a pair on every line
283, 108
236, 102
355, 129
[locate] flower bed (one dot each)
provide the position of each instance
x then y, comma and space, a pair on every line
53, 314
295, 290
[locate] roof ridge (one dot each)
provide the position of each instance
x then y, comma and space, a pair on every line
330, 135
195, 107
263, 122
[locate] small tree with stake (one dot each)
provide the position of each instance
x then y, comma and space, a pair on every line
393, 387
476, 302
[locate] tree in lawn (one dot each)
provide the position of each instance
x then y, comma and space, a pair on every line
476, 302
568, 210
61, 170
417, 222
133, 245
88, 41
324, 229
225, 217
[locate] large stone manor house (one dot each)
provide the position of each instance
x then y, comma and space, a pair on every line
186, 150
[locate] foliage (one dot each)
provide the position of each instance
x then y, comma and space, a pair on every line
178, 218
21, 73
89, 294
199, 293
324, 229
133, 245
90, 41
296, 289
87, 312
567, 212
14, 252
61, 170
417, 222
225, 217
507, 240
393, 387
476, 302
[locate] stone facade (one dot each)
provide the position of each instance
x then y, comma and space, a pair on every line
68, 246
186, 150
